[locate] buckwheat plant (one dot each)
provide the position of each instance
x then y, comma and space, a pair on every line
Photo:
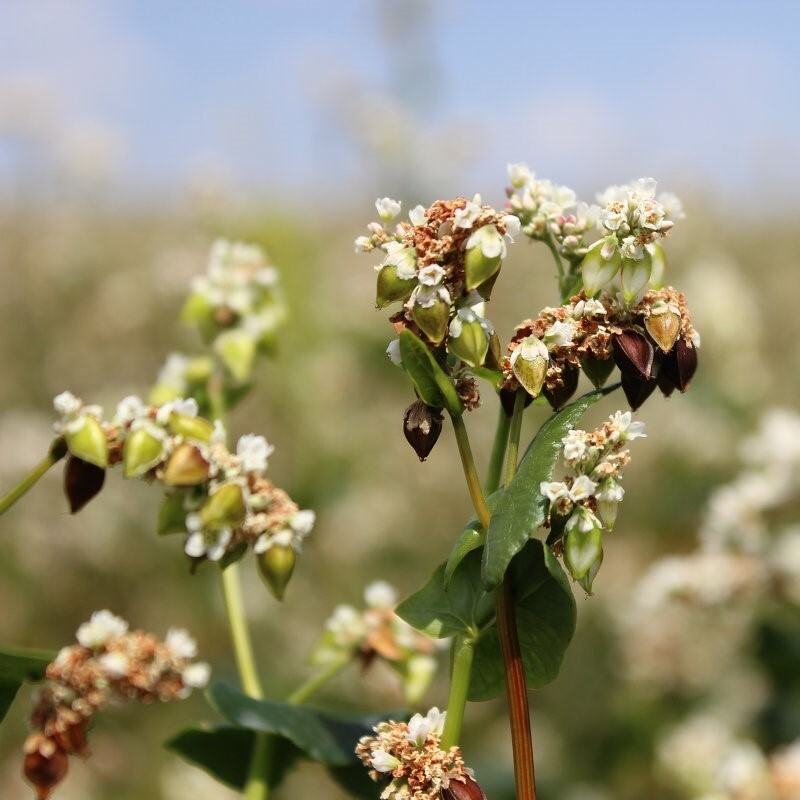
503, 596
218, 501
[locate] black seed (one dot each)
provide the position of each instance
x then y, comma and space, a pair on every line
633, 353
636, 389
421, 427
82, 481
569, 383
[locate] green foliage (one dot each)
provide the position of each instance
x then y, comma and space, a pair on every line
16, 667
433, 386
522, 507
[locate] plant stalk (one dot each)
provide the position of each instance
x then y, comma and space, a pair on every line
58, 450
498, 456
463, 654
470, 473
317, 681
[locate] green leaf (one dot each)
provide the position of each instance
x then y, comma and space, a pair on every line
522, 507
471, 538
545, 613
433, 386
224, 752
459, 607
320, 735
495, 378
16, 667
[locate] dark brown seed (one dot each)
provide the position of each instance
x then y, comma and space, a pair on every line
507, 398
468, 790
636, 389
666, 386
680, 364
45, 773
82, 481
597, 370
421, 427
633, 353
569, 383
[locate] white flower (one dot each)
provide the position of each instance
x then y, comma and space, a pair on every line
196, 676
419, 727
519, 174
611, 219
380, 595
115, 665
393, 351
582, 519
559, 334
129, 409
531, 349
254, 450
301, 522
642, 189
574, 445
673, 208
610, 492
630, 247
553, 490
490, 241
100, 629
512, 225
346, 625
205, 542
173, 374
431, 275
180, 644
583, 488
417, 215
387, 208
465, 217
182, 407
383, 761
402, 257
219, 434
67, 404
362, 244
624, 429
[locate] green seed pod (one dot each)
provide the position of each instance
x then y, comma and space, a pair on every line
485, 251
391, 287
597, 370
186, 467
597, 271
529, 363
195, 428
468, 339
432, 318
275, 566
635, 275
87, 440
582, 548
143, 449
224, 509
587, 580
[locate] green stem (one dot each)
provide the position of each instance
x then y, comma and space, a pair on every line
516, 689
317, 681
58, 450
562, 276
470, 473
257, 786
463, 654
498, 452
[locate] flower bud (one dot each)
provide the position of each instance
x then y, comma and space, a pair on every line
609, 495
529, 363
275, 566
636, 389
635, 275
597, 370
391, 287
633, 353
143, 449
664, 326
680, 364
82, 482
195, 428
237, 350
468, 789
186, 467
485, 251
421, 427
583, 544
468, 338
45, 772
598, 271
558, 396
431, 317
86, 439
224, 509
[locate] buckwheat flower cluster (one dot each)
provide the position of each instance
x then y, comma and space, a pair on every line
218, 497
377, 632
654, 345
548, 211
585, 503
409, 754
109, 664
442, 264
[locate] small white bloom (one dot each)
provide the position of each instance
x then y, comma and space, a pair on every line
553, 490
254, 450
465, 217
419, 727
623, 427
431, 275
380, 595
180, 644
402, 257
362, 244
519, 174
582, 489
417, 215
301, 522
115, 665
196, 676
219, 434
531, 349
490, 241
393, 351
173, 374
574, 445
205, 542
582, 519
383, 761
630, 247
512, 225
387, 208
67, 404
559, 334
129, 409
100, 629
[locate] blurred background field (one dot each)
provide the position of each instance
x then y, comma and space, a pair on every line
130, 138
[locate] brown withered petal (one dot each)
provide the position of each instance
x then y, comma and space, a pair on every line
680, 364
633, 353
569, 383
636, 389
507, 398
597, 370
421, 427
468, 790
82, 482
45, 773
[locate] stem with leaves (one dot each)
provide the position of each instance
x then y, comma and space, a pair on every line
58, 449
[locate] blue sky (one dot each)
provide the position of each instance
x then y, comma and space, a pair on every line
404, 96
